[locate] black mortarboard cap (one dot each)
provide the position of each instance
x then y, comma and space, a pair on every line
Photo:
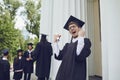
43, 35
5, 51
29, 44
19, 50
80, 23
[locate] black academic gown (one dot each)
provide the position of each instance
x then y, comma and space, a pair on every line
18, 64
1, 70
28, 65
43, 53
5, 69
73, 66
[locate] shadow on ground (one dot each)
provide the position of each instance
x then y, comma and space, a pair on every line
95, 78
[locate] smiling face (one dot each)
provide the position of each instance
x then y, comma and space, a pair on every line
74, 29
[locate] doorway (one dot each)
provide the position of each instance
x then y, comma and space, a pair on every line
94, 33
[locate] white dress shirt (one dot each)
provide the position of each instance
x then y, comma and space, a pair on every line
20, 57
80, 46
4, 58
30, 51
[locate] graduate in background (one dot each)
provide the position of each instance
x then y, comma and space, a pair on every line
28, 63
74, 54
5, 66
18, 65
42, 55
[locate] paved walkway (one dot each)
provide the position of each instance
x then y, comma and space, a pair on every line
33, 77
95, 78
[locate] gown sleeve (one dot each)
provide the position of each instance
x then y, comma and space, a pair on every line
61, 53
85, 51
50, 49
36, 51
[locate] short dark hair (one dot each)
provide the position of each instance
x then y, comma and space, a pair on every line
5, 54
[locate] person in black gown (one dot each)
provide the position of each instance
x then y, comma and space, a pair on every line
18, 65
28, 63
73, 54
42, 55
5, 66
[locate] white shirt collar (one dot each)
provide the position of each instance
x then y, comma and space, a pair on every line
4, 58
30, 51
20, 57
75, 39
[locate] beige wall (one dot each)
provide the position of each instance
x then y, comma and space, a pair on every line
94, 61
97, 40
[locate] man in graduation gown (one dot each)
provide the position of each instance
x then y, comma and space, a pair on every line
4, 66
28, 62
42, 55
74, 54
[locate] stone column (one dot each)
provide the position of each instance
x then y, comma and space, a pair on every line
110, 28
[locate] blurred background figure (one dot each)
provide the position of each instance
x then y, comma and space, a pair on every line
5, 66
28, 67
18, 65
42, 55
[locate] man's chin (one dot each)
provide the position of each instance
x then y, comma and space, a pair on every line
74, 36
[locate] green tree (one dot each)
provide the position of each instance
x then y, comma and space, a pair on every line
33, 14
12, 6
9, 36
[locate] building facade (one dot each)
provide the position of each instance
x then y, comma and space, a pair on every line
101, 25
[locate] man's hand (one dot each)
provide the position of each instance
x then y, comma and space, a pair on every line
57, 37
31, 58
81, 33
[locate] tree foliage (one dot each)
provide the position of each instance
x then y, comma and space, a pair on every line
12, 6
9, 36
33, 13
